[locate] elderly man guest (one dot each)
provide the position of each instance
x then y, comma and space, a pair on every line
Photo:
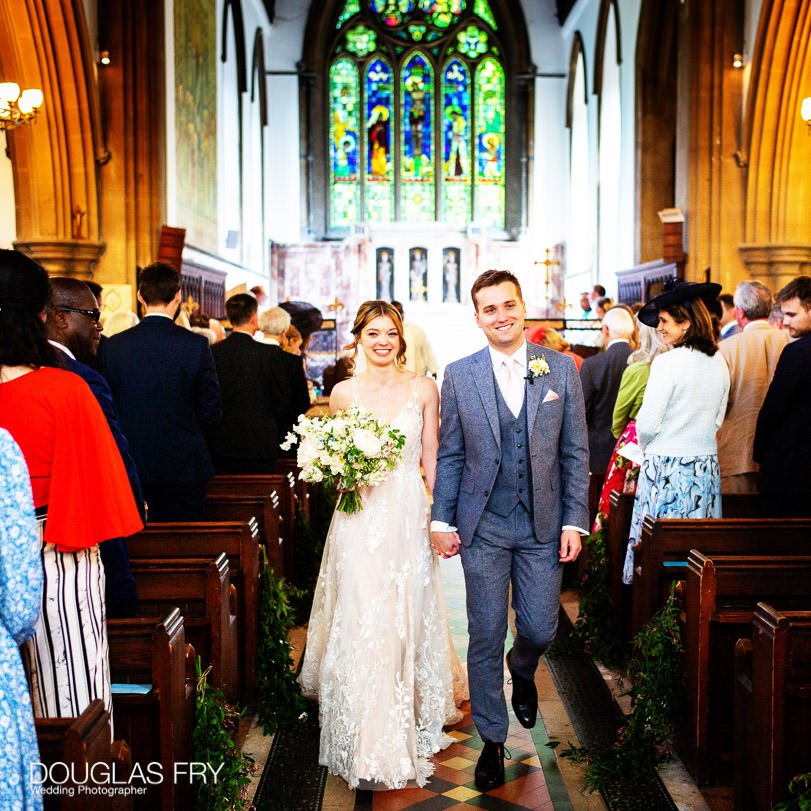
752, 357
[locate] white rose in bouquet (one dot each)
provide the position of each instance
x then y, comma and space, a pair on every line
366, 442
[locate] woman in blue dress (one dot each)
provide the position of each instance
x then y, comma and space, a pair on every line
20, 599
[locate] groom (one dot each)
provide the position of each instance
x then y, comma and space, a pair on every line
512, 476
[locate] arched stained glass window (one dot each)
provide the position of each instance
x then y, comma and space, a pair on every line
433, 98
417, 146
490, 133
344, 133
379, 164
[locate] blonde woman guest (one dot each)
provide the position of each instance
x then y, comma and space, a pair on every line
682, 408
622, 472
379, 658
118, 322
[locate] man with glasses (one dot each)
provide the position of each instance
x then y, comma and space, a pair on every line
73, 328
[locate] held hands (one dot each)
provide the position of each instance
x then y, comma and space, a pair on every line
445, 544
570, 545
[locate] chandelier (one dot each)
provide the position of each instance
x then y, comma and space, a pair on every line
17, 108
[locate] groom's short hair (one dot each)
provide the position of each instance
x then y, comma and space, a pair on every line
490, 278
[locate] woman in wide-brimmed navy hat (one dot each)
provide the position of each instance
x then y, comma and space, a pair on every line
683, 407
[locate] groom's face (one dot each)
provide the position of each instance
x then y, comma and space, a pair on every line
500, 312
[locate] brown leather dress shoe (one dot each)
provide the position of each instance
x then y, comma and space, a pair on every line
490, 768
524, 698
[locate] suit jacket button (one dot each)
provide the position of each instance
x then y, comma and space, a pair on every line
487, 492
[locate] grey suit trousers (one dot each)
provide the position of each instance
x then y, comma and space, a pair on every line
505, 550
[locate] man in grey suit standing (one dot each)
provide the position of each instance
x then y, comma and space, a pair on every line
511, 496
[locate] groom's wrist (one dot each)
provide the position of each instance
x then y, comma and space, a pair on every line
442, 526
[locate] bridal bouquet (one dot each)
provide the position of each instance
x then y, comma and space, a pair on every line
351, 446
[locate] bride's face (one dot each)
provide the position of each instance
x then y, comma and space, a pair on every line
379, 341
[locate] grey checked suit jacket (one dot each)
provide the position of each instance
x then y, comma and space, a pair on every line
469, 447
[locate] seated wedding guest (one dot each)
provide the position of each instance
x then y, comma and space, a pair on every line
71, 327
20, 600
682, 408
549, 337
622, 472
167, 393
273, 325
79, 485
602, 306
118, 321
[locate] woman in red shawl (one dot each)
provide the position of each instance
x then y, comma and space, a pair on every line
80, 489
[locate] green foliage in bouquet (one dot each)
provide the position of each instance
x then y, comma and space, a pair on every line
215, 726
279, 699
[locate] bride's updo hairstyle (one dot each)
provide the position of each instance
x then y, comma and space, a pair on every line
367, 312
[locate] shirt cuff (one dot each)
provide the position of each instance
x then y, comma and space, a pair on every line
441, 526
577, 529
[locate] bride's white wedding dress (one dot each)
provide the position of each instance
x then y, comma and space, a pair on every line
379, 659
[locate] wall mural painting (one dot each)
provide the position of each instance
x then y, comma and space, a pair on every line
451, 276
195, 26
385, 274
418, 274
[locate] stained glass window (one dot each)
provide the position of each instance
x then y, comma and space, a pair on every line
344, 144
351, 8
416, 120
379, 163
417, 145
456, 174
489, 163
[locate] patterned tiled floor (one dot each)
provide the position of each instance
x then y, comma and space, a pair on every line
452, 785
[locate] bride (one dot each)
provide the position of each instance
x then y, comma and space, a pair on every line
379, 658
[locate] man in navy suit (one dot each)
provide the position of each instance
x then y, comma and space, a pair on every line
263, 391
511, 496
165, 386
783, 434
73, 328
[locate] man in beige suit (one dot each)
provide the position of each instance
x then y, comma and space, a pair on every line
752, 356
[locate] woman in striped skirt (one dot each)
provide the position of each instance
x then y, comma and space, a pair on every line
80, 490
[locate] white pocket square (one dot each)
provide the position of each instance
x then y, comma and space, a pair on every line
550, 396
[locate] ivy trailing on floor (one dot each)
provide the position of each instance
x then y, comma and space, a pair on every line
800, 790
214, 741
279, 699
594, 626
654, 672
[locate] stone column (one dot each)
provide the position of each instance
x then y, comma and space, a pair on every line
776, 265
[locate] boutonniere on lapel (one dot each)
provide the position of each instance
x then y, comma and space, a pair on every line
536, 368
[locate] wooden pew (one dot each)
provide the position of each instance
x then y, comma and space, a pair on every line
228, 497
661, 555
772, 706
202, 589
721, 596
302, 489
81, 746
617, 532
156, 716
239, 540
